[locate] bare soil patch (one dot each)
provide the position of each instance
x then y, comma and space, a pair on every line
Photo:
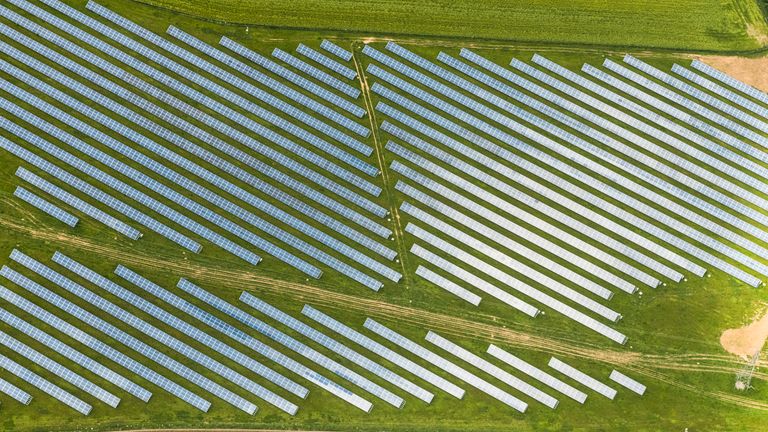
747, 340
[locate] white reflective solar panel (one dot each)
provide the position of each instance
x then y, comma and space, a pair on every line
15, 392
383, 351
448, 285
727, 79
46, 386
446, 365
537, 373
75, 355
627, 382
582, 378
491, 369
46, 206
268, 331
343, 351
720, 90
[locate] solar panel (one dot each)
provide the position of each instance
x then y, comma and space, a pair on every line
316, 73
76, 356
498, 237
93, 343
193, 113
446, 365
62, 195
139, 324
685, 164
266, 97
122, 187
501, 257
448, 285
738, 160
708, 160
288, 109
719, 90
230, 113
446, 175
59, 370
582, 378
46, 206
382, 351
336, 50
46, 386
327, 62
521, 231
298, 80
15, 392
502, 119
120, 335
320, 358
185, 328
627, 382
491, 369
579, 209
727, 79
537, 373
345, 352
700, 95
517, 285
268, 331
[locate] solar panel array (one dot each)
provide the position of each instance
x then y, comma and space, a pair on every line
582, 378
316, 73
331, 64
336, 50
627, 382
15, 392
46, 206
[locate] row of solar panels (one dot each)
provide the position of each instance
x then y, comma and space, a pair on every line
228, 207
160, 314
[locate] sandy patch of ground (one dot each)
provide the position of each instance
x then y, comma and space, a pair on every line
747, 340
751, 71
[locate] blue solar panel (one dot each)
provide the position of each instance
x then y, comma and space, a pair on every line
121, 336
720, 90
15, 392
75, 202
46, 386
130, 172
327, 62
59, 370
299, 80
75, 356
194, 113
336, 50
93, 343
46, 206
277, 336
183, 327
319, 160
727, 79
345, 352
316, 73
272, 84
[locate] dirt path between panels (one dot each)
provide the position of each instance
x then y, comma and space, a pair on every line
752, 71
476, 326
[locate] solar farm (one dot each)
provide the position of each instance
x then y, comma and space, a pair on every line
223, 226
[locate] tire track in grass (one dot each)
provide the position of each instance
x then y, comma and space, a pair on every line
397, 227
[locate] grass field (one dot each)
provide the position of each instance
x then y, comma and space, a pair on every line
673, 330
690, 25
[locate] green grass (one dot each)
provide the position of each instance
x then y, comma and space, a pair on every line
666, 326
710, 25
